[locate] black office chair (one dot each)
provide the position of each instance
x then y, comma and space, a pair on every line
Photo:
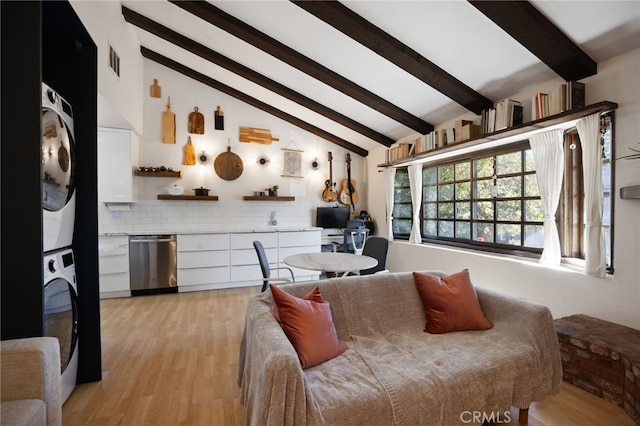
266, 269
376, 247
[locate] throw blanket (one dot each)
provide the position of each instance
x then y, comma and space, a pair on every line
393, 373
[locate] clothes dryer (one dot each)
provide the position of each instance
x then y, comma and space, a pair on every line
61, 313
58, 170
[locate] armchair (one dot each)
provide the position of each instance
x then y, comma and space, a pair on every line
30, 391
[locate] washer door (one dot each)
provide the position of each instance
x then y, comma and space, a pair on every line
61, 317
58, 161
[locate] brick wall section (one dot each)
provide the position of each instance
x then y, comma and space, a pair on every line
602, 358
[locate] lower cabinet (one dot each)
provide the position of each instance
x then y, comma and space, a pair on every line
211, 261
294, 242
203, 261
245, 268
113, 259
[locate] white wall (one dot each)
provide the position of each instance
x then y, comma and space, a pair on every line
615, 298
120, 98
231, 211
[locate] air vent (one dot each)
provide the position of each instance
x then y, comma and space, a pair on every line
114, 61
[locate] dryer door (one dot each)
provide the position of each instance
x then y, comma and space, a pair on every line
61, 317
58, 161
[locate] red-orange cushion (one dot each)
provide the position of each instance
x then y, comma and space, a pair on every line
309, 327
312, 295
450, 303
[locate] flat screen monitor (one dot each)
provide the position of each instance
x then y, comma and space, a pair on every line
332, 217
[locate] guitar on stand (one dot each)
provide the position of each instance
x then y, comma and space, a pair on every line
329, 193
348, 194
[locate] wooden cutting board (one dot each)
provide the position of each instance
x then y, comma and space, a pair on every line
168, 124
252, 135
155, 91
196, 122
189, 154
228, 165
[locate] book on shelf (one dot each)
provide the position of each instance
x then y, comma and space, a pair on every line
458, 129
566, 97
504, 113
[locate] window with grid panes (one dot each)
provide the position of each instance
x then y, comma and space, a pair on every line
487, 199
402, 215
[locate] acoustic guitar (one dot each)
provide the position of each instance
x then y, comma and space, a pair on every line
348, 194
329, 192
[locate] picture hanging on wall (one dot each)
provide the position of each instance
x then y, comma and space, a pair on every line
292, 161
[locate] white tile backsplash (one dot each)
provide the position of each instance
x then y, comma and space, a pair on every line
177, 216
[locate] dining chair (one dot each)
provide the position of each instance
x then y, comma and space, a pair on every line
376, 247
266, 269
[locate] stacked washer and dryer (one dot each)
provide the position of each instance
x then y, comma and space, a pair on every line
58, 217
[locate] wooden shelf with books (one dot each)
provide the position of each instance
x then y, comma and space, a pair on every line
511, 134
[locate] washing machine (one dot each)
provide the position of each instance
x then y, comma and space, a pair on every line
58, 170
61, 312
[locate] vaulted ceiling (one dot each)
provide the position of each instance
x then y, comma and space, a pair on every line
362, 74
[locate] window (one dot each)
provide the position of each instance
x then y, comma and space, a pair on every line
489, 200
484, 200
401, 204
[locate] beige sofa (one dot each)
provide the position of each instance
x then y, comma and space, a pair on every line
393, 373
30, 392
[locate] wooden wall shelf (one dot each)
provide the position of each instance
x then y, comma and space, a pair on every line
169, 174
267, 198
525, 130
188, 197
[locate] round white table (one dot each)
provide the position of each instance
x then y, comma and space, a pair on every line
331, 263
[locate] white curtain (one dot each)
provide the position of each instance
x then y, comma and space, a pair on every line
415, 183
589, 132
548, 157
389, 180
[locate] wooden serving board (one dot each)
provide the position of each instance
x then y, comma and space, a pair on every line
252, 135
228, 166
168, 125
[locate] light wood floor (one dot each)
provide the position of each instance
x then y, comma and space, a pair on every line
172, 360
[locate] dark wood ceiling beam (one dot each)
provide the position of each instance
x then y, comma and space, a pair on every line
364, 32
182, 69
204, 52
234, 26
527, 25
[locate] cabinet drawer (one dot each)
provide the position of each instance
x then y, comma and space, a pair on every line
296, 239
114, 282
114, 264
250, 257
288, 251
199, 276
247, 273
201, 259
113, 246
245, 240
201, 242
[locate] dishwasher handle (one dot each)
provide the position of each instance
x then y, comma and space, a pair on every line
154, 240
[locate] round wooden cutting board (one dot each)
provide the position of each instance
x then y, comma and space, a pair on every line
228, 165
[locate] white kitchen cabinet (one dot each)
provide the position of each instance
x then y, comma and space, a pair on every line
113, 260
245, 268
294, 242
203, 261
117, 158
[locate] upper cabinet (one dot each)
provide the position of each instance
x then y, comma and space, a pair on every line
117, 159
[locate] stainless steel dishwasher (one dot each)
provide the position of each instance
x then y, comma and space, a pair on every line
152, 264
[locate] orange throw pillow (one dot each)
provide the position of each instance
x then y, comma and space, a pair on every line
450, 303
309, 327
312, 295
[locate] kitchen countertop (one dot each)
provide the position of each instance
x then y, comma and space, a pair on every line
211, 231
